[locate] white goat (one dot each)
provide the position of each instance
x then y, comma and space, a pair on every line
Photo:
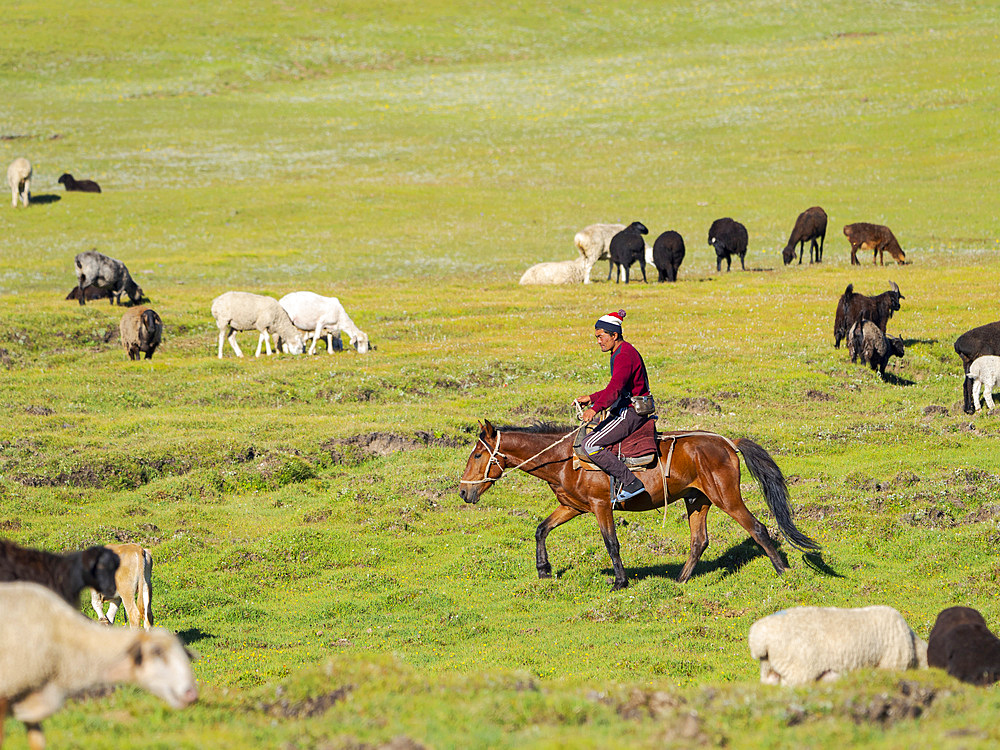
242, 311
594, 244
19, 179
134, 588
555, 272
49, 650
317, 314
984, 372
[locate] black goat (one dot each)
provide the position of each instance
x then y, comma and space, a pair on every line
810, 225
866, 341
971, 345
78, 186
853, 307
67, 575
626, 248
961, 644
729, 238
668, 252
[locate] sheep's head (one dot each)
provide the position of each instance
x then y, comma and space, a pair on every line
292, 346
360, 342
788, 254
637, 226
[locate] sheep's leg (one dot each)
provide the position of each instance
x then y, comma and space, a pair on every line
611, 268
234, 344
642, 265
113, 606
587, 268
83, 301
329, 343
743, 267
26, 195
97, 604
36, 737
318, 332
132, 613
13, 196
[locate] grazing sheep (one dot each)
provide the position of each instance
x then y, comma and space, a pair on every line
313, 312
96, 269
866, 341
874, 237
242, 311
972, 345
19, 180
594, 242
67, 575
804, 644
626, 248
48, 651
78, 186
141, 331
984, 373
810, 225
133, 586
668, 252
853, 307
961, 644
89, 293
729, 238
555, 272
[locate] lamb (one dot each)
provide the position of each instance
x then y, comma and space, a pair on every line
984, 373
972, 345
141, 331
874, 347
555, 272
67, 575
96, 269
626, 248
19, 180
133, 586
89, 293
48, 651
594, 242
242, 311
804, 644
313, 312
810, 225
962, 644
79, 186
874, 237
668, 252
729, 238
853, 307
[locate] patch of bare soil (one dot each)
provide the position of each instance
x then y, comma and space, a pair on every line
378, 444
85, 476
698, 405
42, 411
932, 410
814, 395
935, 518
884, 709
817, 512
5, 359
986, 513
308, 708
13, 524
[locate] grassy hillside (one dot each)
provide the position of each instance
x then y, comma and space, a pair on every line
413, 159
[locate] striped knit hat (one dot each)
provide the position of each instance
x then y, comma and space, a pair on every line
612, 322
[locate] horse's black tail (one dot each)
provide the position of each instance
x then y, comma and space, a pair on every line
772, 484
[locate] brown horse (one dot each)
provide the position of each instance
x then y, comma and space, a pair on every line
704, 469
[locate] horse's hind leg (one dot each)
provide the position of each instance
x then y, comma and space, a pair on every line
697, 509
558, 517
731, 502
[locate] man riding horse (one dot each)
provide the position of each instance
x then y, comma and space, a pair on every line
628, 401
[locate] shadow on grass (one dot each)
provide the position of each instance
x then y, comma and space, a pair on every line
193, 635
892, 379
45, 199
910, 342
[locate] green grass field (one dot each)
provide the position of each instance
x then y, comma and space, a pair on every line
414, 159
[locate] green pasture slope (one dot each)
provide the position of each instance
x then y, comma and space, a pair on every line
413, 158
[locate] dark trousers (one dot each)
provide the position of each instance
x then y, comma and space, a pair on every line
612, 430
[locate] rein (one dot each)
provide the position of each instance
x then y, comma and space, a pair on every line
494, 452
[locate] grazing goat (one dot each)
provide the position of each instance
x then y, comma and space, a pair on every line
96, 269
19, 180
626, 248
729, 238
594, 242
810, 225
89, 293
313, 312
554, 272
853, 307
78, 186
668, 252
67, 575
243, 311
961, 644
48, 651
972, 345
866, 341
141, 331
133, 587
804, 644
984, 373
874, 237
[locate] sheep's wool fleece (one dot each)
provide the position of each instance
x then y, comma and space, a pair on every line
803, 644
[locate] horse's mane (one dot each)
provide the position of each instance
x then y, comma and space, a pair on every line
537, 428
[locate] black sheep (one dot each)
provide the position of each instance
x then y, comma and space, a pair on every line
810, 225
67, 575
89, 293
78, 186
974, 344
853, 308
626, 248
668, 252
961, 644
729, 238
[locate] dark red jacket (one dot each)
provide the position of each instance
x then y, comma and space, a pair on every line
628, 378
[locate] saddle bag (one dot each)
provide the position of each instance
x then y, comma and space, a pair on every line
644, 405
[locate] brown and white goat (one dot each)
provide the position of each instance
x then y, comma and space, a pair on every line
874, 237
134, 588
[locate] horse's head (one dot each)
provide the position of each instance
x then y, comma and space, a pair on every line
485, 465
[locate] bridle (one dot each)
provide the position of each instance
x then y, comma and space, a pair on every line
495, 452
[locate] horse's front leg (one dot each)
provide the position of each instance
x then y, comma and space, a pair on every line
606, 522
559, 516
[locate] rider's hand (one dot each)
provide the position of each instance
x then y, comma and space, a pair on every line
588, 415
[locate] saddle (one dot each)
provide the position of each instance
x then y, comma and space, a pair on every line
638, 450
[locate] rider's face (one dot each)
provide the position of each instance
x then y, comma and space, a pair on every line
605, 340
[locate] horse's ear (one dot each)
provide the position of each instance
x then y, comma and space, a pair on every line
489, 429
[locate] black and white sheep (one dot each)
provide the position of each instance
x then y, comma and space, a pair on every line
554, 272
972, 345
626, 248
141, 331
668, 252
729, 238
810, 226
243, 311
78, 186
67, 575
19, 180
961, 644
804, 644
96, 269
853, 307
874, 237
874, 348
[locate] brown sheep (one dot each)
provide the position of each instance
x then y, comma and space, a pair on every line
962, 644
874, 237
141, 331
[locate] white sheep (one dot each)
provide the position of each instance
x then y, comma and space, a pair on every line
19, 179
594, 244
984, 372
242, 311
803, 644
49, 650
317, 314
555, 272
